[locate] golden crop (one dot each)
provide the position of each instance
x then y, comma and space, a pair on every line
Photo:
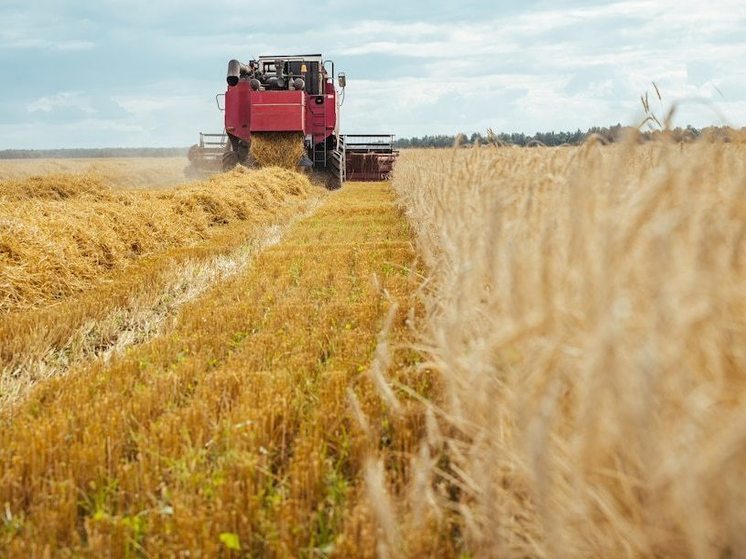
61, 232
225, 430
587, 318
88, 270
510, 353
277, 149
153, 172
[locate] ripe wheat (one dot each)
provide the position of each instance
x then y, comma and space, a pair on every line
587, 318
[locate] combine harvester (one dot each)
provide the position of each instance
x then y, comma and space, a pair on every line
281, 100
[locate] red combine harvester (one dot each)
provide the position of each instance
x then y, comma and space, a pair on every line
295, 95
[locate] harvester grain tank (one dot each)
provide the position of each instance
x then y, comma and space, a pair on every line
297, 96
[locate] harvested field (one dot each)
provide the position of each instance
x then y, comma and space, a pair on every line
117, 172
61, 233
164, 248
233, 426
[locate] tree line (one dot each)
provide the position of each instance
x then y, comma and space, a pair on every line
606, 135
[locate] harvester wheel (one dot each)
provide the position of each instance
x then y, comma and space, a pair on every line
333, 182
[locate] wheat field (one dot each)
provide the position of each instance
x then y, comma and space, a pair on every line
502, 353
586, 315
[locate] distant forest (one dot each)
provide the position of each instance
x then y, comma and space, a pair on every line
609, 134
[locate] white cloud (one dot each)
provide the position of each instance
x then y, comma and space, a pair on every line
610, 60
63, 100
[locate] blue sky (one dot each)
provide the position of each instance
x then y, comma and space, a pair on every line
135, 73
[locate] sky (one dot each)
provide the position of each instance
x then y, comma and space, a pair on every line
132, 73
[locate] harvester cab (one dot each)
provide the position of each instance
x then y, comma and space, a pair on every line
292, 105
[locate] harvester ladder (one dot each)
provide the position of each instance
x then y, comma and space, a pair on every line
319, 155
319, 149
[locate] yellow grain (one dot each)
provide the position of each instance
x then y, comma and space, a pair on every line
586, 318
277, 149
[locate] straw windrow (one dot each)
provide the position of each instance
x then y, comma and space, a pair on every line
60, 233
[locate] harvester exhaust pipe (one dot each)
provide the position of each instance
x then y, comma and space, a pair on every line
236, 71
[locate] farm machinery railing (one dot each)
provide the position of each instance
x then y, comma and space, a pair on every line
207, 155
366, 157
